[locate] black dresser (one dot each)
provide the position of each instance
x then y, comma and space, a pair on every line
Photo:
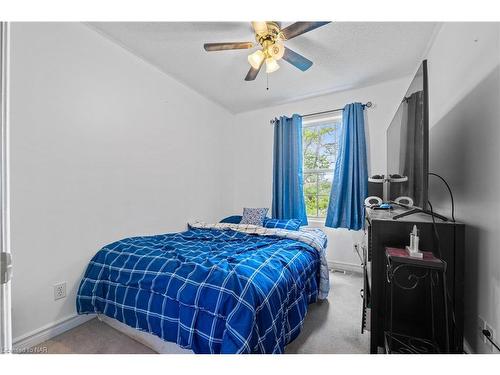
412, 318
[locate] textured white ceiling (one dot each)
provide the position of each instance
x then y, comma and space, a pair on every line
345, 54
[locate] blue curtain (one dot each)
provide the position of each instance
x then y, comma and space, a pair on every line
350, 179
288, 194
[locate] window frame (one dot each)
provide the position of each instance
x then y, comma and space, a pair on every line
315, 122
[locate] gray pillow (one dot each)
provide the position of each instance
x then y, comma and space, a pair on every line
254, 216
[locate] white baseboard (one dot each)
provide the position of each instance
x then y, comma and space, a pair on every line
47, 332
341, 266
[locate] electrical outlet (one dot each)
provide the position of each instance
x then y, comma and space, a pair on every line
492, 337
59, 290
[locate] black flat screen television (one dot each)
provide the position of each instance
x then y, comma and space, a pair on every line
408, 144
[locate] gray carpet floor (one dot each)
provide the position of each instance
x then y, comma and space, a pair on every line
330, 327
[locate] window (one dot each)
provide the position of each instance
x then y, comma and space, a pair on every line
320, 146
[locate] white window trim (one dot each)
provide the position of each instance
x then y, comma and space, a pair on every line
314, 120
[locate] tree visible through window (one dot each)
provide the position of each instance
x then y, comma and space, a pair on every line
320, 147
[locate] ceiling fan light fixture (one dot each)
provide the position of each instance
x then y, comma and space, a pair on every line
256, 58
276, 50
271, 65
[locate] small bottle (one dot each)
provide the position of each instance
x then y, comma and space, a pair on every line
415, 239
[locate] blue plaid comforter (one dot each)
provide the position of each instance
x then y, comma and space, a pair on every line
209, 290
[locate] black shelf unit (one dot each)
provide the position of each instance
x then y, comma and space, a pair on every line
381, 230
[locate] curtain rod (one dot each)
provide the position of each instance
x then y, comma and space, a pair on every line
366, 105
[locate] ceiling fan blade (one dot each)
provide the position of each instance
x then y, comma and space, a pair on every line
296, 59
260, 27
252, 73
299, 28
209, 47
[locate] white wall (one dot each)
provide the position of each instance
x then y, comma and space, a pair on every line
253, 150
464, 89
104, 146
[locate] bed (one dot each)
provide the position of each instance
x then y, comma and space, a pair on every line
215, 288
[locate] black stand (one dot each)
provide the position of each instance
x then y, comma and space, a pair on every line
417, 271
419, 211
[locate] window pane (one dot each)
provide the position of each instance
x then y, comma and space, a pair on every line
320, 147
310, 144
311, 205
310, 183
325, 183
329, 145
322, 205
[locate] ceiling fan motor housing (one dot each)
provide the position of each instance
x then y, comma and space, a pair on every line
272, 34
271, 40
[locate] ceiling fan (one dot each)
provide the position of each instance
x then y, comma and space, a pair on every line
271, 39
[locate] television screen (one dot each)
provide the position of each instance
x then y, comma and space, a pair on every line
408, 143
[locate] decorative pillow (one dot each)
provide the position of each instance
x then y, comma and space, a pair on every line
290, 224
254, 216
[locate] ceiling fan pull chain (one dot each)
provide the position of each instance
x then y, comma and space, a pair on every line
267, 78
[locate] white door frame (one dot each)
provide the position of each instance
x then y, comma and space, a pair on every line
5, 266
